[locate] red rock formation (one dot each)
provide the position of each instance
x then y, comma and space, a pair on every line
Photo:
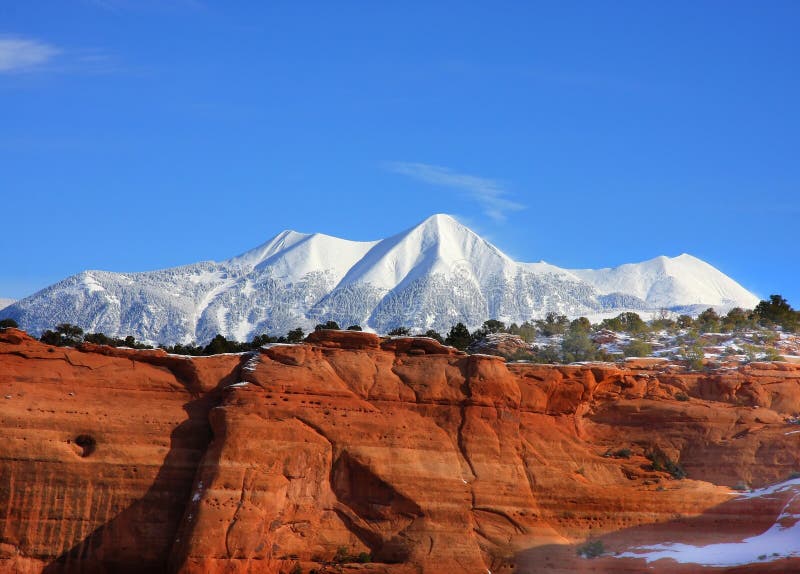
406, 451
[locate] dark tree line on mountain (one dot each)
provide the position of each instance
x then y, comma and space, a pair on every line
68, 335
576, 342
220, 344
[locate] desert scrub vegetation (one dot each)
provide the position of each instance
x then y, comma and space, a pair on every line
591, 549
660, 462
619, 453
740, 335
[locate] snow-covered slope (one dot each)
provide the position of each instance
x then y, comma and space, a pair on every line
778, 542
430, 276
5, 302
670, 282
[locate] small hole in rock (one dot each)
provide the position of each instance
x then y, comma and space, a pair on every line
85, 445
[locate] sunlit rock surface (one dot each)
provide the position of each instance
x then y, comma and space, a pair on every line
412, 455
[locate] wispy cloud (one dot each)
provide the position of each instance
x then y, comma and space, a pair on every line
19, 54
488, 193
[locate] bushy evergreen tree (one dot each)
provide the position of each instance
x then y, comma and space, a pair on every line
777, 311
708, 321
261, 340
548, 354
527, 331
627, 322
576, 345
433, 335
65, 334
663, 321
103, 339
458, 337
220, 344
295, 336
637, 348
738, 319
494, 326
552, 324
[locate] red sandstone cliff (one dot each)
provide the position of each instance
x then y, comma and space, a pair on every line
425, 459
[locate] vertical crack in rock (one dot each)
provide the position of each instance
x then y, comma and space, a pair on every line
184, 528
236, 514
389, 483
120, 543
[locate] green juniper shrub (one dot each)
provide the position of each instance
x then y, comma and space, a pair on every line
591, 549
295, 335
693, 355
342, 555
434, 335
637, 348
777, 311
190, 349
708, 321
458, 337
399, 332
619, 453
552, 324
219, 344
663, 321
527, 331
660, 462
576, 344
8, 324
627, 322
549, 354
261, 340
364, 558
65, 335
494, 326
102, 339
737, 320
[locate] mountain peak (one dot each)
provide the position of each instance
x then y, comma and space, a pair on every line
432, 275
439, 220
442, 225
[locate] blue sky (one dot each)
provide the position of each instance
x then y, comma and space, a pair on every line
140, 134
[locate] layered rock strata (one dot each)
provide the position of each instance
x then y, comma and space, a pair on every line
401, 452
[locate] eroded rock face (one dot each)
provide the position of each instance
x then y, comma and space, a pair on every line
410, 453
502, 345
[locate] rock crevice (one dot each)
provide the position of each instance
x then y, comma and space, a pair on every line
403, 451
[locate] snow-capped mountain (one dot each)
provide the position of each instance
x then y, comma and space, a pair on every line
5, 302
430, 276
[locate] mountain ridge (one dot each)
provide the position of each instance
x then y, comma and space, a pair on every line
432, 275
